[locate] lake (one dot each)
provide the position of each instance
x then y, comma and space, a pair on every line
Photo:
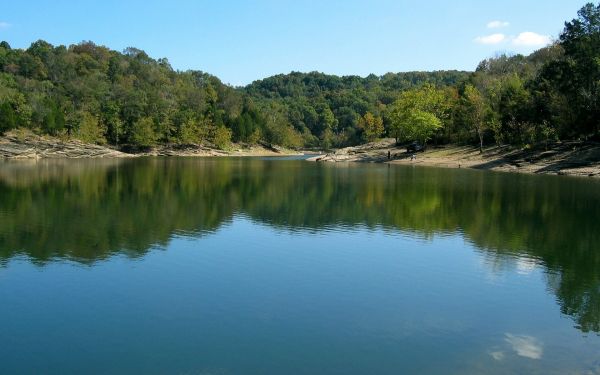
282, 266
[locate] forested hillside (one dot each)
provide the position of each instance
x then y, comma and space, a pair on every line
98, 95
335, 111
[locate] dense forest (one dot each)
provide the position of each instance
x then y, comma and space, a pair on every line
98, 95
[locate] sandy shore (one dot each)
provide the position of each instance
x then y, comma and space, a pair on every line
564, 158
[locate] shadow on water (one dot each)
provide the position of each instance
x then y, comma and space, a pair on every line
91, 210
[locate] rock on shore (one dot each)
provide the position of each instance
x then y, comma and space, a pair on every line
36, 147
374, 152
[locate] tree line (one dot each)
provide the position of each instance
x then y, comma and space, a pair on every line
98, 95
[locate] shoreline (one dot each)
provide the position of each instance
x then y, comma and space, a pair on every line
33, 147
573, 158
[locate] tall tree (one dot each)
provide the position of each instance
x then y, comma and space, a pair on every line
476, 112
581, 67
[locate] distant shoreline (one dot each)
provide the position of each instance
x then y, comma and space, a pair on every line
572, 158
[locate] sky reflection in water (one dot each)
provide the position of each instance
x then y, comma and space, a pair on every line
259, 266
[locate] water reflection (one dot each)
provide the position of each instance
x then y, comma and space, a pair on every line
525, 346
90, 210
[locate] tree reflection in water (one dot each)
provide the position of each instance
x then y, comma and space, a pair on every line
90, 210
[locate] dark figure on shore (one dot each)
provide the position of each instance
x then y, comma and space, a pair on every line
389, 155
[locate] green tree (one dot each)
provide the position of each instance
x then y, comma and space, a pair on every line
221, 137
476, 111
112, 123
372, 127
54, 120
190, 132
89, 129
514, 108
327, 119
327, 139
418, 114
8, 118
143, 133
579, 72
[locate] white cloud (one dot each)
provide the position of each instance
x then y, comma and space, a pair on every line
525, 346
497, 24
491, 39
4, 25
524, 39
531, 39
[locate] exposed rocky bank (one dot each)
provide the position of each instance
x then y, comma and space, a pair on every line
30, 146
572, 158
13, 146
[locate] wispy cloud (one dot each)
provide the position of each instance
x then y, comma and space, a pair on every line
4, 25
531, 39
497, 24
491, 39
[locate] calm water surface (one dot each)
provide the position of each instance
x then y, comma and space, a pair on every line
249, 266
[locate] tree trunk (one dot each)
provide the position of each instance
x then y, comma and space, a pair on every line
481, 145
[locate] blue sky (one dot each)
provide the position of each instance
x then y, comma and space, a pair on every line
241, 41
